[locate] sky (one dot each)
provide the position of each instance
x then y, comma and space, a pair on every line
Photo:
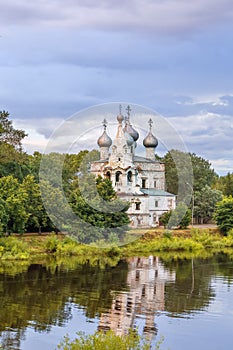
172, 56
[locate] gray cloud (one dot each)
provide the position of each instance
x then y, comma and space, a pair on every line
210, 136
159, 16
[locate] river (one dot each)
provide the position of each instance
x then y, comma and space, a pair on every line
186, 301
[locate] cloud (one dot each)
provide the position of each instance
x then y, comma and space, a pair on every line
209, 135
170, 16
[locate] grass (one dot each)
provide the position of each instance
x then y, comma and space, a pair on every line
152, 242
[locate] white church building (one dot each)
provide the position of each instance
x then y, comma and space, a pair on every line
138, 180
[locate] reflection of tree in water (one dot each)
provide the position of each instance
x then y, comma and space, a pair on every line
192, 290
42, 297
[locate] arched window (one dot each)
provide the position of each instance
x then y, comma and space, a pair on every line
129, 176
118, 176
108, 175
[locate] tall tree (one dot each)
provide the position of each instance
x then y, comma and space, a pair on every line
12, 157
14, 199
95, 202
37, 217
225, 184
205, 202
177, 169
8, 134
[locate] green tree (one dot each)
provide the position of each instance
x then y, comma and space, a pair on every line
224, 214
178, 163
95, 202
8, 134
14, 199
180, 217
37, 217
12, 157
205, 202
225, 184
55, 205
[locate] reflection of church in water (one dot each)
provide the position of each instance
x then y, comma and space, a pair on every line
146, 280
139, 180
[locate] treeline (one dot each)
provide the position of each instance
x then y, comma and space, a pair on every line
187, 173
22, 209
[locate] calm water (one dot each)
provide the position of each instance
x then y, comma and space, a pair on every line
188, 301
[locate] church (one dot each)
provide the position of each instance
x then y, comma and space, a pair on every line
136, 179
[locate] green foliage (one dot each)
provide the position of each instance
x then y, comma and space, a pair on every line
177, 162
12, 248
224, 214
180, 217
51, 244
167, 234
13, 197
11, 155
225, 184
37, 217
108, 341
8, 134
94, 201
205, 202
165, 217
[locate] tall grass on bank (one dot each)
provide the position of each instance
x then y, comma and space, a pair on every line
12, 248
193, 241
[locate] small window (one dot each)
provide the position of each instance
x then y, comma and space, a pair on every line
170, 203
143, 183
156, 204
129, 176
138, 204
108, 175
119, 159
155, 184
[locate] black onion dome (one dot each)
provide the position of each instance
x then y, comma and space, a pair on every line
104, 140
131, 131
150, 141
129, 139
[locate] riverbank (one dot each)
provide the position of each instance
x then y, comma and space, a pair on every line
154, 241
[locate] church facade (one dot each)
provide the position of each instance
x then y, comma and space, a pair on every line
136, 179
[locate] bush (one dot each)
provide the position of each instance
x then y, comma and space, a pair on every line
224, 214
51, 244
13, 248
108, 341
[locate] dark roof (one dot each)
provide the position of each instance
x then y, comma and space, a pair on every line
100, 161
145, 160
153, 192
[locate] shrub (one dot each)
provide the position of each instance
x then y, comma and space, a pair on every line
51, 244
108, 341
224, 214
